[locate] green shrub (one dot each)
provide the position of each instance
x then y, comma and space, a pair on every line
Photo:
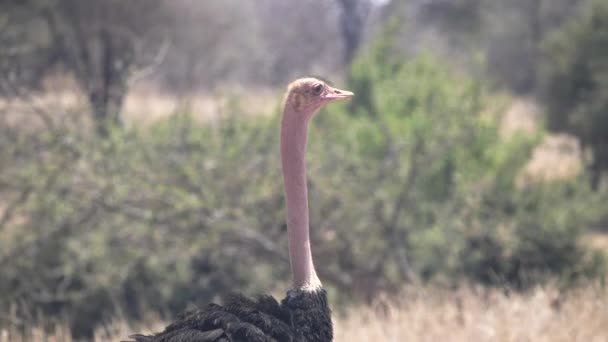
443, 188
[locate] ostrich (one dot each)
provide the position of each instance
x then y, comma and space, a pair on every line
304, 314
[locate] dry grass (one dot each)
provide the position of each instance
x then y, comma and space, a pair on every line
434, 315
142, 105
541, 315
520, 116
597, 240
559, 156
147, 105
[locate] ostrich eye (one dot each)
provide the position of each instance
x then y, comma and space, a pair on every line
317, 88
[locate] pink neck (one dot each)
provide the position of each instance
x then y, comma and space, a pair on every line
294, 136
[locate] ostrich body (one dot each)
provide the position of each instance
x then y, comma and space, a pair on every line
304, 314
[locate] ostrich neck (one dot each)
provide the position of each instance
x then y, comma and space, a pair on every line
294, 136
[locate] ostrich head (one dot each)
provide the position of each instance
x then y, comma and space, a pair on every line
307, 95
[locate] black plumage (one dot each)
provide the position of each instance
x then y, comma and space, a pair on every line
301, 316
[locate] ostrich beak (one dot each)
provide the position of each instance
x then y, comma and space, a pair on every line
335, 94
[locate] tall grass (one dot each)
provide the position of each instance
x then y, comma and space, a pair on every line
487, 315
471, 314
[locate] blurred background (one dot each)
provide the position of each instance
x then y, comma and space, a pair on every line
139, 170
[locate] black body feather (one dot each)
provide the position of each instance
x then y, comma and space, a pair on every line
301, 316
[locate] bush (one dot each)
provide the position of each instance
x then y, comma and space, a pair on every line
443, 186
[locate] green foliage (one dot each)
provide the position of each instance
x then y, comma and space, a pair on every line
445, 188
529, 236
132, 223
576, 81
